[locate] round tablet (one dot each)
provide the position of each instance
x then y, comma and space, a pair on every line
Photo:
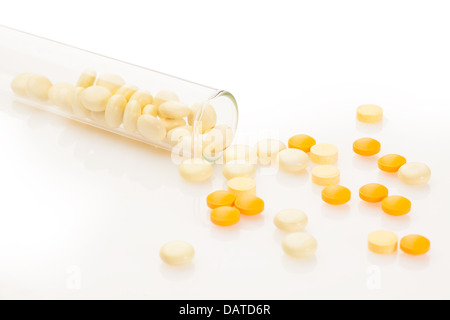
87, 78
249, 205
325, 175
324, 153
242, 185
293, 160
302, 142
369, 113
366, 147
268, 149
396, 205
373, 192
415, 244
37, 87
299, 245
383, 242
336, 195
151, 128
391, 162
143, 97
177, 253
195, 170
234, 169
220, 198
114, 110
164, 96
206, 119
225, 216
19, 84
290, 220
414, 173
95, 98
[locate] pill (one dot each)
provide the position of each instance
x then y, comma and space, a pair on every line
175, 135
142, 97
299, 245
195, 170
373, 192
242, 185
414, 173
293, 160
249, 205
325, 175
415, 244
177, 253
19, 84
164, 96
302, 142
324, 153
151, 128
76, 104
114, 110
267, 150
110, 81
127, 91
151, 110
60, 95
369, 113
87, 78
95, 98
173, 110
37, 87
240, 152
366, 147
383, 242
131, 115
290, 220
170, 124
221, 198
391, 162
225, 216
336, 195
396, 205
237, 168
206, 117
98, 116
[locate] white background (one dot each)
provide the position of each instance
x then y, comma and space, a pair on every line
84, 212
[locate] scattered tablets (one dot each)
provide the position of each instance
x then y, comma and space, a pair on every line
249, 205
369, 113
293, 160
195, 170
391, 162
299, 245
324, 153
302, 142
290, 220
177, 253
242, 185
336, 195
415, 244
414, 173
220, 198
383, 242
326, 175
396, 205
373, 192
225, 216
366, 147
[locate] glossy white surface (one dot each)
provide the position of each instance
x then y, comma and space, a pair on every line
84, 213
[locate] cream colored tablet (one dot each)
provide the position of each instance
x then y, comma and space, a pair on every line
170, 124
164, 96
95, 98
110, 81
293, 160
242, 185
177, 134
414, 173
369, 113
151, 110
383, 242
177, 253
195, 170
37, 88
19, 84
114, 110
240, 152
151, 128
207, 119
299, 245
75, 102
324, 153
131, 115
326, 175
60, 95
173, 110
127, 91
290, 220
268, 149
87, 78
142, 97
236, 168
